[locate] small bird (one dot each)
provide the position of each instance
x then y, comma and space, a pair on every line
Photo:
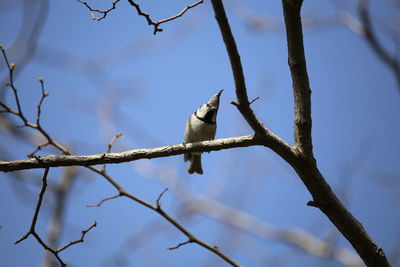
201, 126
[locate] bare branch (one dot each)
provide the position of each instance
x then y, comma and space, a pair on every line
156, 24
161, 212
103, 12
39, 105
116, 136
241, 92
37, 149
130, 155
254, 100
300, 157
55, 225
323, 196
243, 104
160, 196
181, 244
84, 232
104, 200
38, 205
301, 87
20, 114
180, 13
10, 83
164, 151
32, 230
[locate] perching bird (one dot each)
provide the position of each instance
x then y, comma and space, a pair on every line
201, 126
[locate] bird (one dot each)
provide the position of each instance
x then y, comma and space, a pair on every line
201, 126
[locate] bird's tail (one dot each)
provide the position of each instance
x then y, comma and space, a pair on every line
195, 163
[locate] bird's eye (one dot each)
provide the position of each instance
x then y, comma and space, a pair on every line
208, 105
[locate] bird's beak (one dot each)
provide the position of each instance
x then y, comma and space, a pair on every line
214, 101
217, 95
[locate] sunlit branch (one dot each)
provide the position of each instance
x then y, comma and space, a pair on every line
130, 155
102, 12
148, 153
156, 24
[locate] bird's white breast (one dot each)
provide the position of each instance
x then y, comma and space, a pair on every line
199, 130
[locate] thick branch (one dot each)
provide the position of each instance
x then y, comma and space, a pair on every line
305, 165
298, 69
326, 200
243, 104
131, 155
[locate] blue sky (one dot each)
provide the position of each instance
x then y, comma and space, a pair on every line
116, 76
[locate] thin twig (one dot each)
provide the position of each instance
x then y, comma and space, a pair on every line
254, 100
84, 232
181, 244
39, 105
160, 196
10, 83
37, 149
104, 200
180, 13
103, 12
38, 205
115, 137
19, 112
156, 24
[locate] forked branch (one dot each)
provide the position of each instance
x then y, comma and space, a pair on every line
32, 229
235, 142
300, 156
150, 21
323, 196
156, 24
